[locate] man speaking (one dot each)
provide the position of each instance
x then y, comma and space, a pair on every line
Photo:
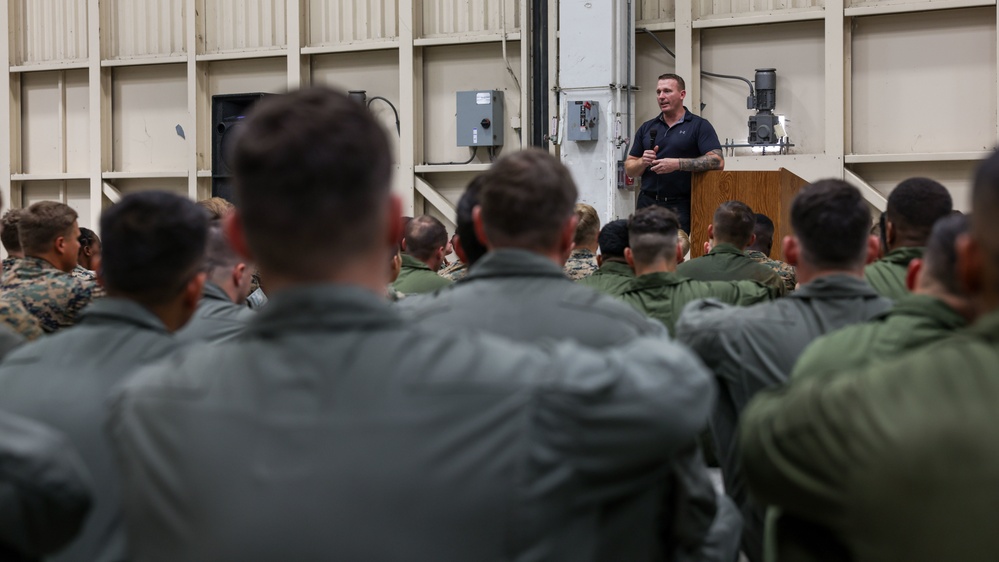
668, 148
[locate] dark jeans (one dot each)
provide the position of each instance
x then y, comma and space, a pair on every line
679, 206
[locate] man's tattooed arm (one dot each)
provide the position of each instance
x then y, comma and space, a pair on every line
710, 161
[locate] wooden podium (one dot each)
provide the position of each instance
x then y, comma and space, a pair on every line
769, 193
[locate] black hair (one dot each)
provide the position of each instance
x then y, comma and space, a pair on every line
831, 221
465, 226
613, 239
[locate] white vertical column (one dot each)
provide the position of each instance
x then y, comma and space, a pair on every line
410, 82
99, 89
835, 72
7, 128
194, 94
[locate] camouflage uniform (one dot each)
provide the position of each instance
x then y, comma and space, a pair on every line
581, 264
14, 316
788, 274
8, 267
52, 296
81, 272
455, 271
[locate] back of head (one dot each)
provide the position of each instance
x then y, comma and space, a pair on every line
913, 207
465, 225
527, 197
733, 224
831, 221
220, 257
940, 256
424, 235
613, 239
764, 231
588, 227
652, 234
9, 235
311, 173
154, 243
217, 207
42, 223
87, 237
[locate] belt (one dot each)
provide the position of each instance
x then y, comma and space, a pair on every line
662, 198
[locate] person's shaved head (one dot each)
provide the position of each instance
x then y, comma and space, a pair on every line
914, 206
424, 235
652, 233
940, 256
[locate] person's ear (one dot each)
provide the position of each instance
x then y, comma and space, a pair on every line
791, 250
232, 226
890, 234
970, 265
458, 250
711, 232
680, 253
912, 274
752, 240
60, 244
480, 227
237, 273
600, 260
190, 297
873, 249
630, 258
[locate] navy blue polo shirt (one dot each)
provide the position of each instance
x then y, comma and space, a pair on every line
689, 138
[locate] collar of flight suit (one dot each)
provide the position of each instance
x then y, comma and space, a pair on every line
726, 248
615, 268
325, 306
214, 292
509, 262
658, 279
835, 285
413, 263
926, 306
902, 256
114, 310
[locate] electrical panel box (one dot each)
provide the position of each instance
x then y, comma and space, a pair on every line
480, 118
583, 120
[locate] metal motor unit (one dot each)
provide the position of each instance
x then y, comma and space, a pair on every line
764, 127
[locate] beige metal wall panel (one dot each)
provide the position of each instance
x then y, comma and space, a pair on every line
48, 31
244, 76
467, 67
243, 25
796, 50
956, 176
650, 62
334, 22
654, 11
54, 126
708, 8
148, 104
458, 17
376, 72
925, 82
142, 28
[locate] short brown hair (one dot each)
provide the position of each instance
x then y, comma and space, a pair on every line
9, 236
588, 227
671, 76
42, 223
217, 207
652, 233
734, 223
526, 199
424, 235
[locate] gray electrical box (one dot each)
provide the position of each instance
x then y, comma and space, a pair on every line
480, 118
583, 120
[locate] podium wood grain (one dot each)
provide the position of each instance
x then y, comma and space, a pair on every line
767, 192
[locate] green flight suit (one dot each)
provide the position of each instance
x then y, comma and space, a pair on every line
725, 262
887, 275
335, 429
64, 379
526, 297
216, 319
45, 492
753, 348
663, 295
894, 462
416, 277
914, 321
611, 278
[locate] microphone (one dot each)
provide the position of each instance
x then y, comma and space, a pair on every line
652, 139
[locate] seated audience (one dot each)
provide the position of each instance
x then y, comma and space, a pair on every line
913, 207
222, 313
423, 247
456, 270
45, 492
895, 461
729, 234
42, 280
657, 290
88, 261
614, 273
759, 251
936, 308
754, 348
153, 247
582, 260
466, 244
333, 418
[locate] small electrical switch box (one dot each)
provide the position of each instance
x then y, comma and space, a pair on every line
480, 118
583, 120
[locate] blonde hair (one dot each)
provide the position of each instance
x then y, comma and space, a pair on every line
217, 207
588, 227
